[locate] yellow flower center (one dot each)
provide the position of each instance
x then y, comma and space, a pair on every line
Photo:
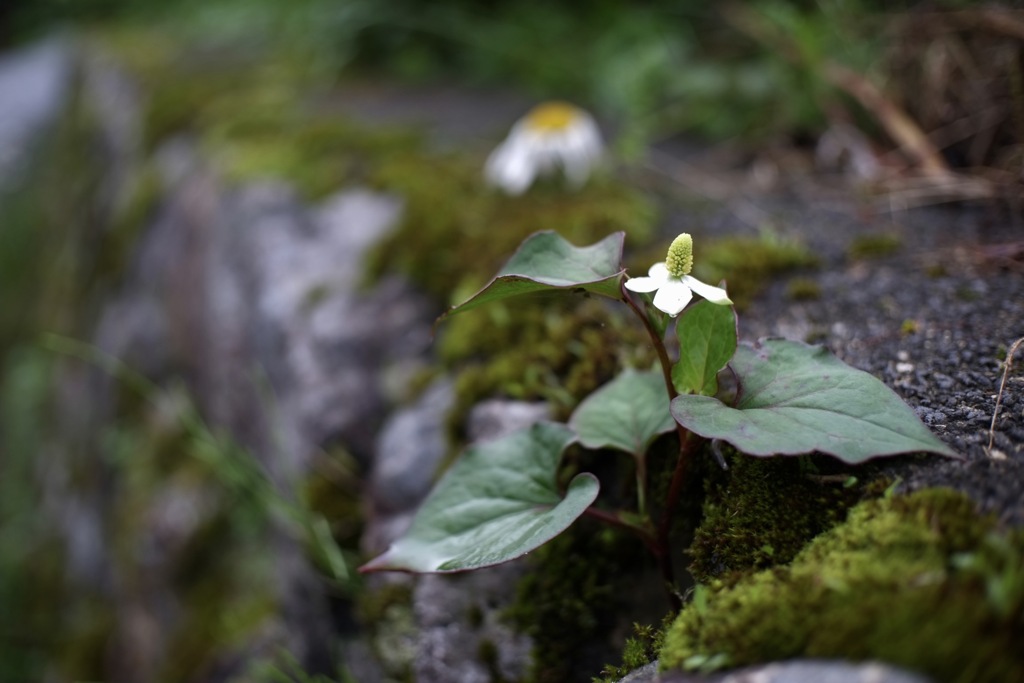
552, 116
679, 259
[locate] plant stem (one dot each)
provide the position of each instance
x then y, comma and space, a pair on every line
653, 542
660, 545
657, 341
688, 445
644, 534
641, 485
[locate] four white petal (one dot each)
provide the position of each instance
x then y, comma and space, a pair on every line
673, 293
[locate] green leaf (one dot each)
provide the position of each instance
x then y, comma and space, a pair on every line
545, 261
498, 502
627, 413
707, 340
794, 398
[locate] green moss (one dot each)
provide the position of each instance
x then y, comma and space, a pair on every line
252, 114
374, 605
803, 289
317, 153
332, 514
487, 654
88, 628
386, 615
334, 491
748, 263
920, 581
641, 649
467, 230
558, 349
580, 582
967, 294
874, 246
909, 326
282, 667
227, 597
761, 513
117, 242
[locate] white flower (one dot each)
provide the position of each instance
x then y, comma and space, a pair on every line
671, 279
551, 135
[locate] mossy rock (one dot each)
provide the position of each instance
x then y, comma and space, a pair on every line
568, 603
386, 614
640, 650
761, 513
920, 581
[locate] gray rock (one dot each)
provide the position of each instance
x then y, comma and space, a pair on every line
459, 623
35, 90
497, 417
805, 671
410, 449
323, 343
645, 674
115, 104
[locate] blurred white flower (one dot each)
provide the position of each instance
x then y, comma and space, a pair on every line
551, 135
672, 281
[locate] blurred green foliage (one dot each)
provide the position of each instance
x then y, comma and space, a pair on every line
656, 68
26, 616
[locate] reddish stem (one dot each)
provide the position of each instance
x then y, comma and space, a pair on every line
615, 520
659, 344
688, 445
655, 545
660, 546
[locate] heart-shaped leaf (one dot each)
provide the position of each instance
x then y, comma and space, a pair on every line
546, 261
498, 502
707, 340
627, 413
794, 398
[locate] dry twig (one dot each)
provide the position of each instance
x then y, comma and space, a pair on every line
999, 396
900, 127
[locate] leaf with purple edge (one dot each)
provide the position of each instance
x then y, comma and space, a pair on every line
545, 261
497, 503
795, 398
